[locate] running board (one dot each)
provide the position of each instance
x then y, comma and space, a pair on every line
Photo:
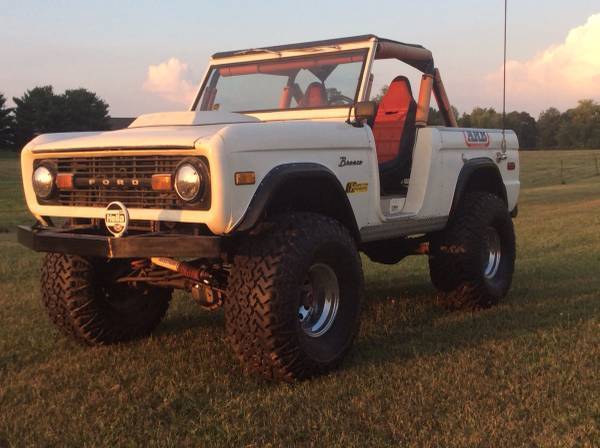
402, 227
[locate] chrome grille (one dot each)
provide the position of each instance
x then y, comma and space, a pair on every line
122, 167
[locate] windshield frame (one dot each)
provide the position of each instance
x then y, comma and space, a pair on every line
364, 49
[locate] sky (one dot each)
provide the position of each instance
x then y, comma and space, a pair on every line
149, 56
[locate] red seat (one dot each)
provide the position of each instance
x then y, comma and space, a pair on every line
315, 96
394, 132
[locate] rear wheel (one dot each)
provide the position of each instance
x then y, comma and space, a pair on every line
292, 307
472, 261
84, 300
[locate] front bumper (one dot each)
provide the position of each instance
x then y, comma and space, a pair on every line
143, 245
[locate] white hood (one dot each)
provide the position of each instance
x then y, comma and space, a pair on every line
175, 130
190, 119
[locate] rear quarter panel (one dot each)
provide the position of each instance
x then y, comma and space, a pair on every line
460, 145
439, 156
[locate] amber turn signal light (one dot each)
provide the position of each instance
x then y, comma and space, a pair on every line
162, 182
245, 178
64, 181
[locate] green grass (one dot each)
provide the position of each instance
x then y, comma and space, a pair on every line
526, 373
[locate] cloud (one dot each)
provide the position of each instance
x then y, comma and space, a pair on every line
558, 76
171, 81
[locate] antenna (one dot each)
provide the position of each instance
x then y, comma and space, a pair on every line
504, 82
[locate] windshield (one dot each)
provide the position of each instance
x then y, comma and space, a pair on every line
316, 81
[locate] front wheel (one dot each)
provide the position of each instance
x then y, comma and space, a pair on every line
472, 261
84, 300
292, 307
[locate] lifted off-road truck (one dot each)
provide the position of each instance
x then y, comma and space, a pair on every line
260, 198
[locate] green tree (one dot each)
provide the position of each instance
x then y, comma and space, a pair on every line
525, 127
6, 125
580, 127
522, 123
84, 111
437, 119
464, 121
548, 125
486, 118
40, 110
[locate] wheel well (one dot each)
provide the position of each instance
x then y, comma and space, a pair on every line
487, 179
300, 187
479, 175
320, 194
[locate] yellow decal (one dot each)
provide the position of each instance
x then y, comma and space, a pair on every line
357, 187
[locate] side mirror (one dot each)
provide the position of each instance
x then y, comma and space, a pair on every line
365, 110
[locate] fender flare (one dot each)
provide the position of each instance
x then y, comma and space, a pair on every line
281, 174
467, 172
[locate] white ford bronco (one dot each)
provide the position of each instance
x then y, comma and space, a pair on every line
260, 198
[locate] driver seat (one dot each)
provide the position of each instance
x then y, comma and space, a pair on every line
315, 95
394, 131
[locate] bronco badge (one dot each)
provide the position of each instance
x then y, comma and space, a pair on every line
344, 161
116, 218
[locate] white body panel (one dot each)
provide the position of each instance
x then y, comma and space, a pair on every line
439, 155
261, 141
257, 147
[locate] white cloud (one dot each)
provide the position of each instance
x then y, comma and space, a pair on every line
558, 76
171, 81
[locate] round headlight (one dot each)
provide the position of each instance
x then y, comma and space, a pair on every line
43, 181
188, 181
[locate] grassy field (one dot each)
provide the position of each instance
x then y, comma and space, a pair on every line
526, 373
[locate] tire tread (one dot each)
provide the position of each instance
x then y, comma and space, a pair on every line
258, 326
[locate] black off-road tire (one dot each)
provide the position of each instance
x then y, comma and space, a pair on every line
85, 304
262, 316
459, 256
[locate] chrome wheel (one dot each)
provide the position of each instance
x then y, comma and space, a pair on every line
494, 249
320, 300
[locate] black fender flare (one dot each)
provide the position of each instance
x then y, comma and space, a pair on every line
281, 174
469, 169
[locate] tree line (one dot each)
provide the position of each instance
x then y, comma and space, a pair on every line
524, 125
40, 110
575, 128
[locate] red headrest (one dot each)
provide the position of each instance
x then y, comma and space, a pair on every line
398, 96
314, 96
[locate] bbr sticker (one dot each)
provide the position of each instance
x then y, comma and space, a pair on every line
476, 139
357, 187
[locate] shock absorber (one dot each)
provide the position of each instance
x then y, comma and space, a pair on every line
183, 268
204, 291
